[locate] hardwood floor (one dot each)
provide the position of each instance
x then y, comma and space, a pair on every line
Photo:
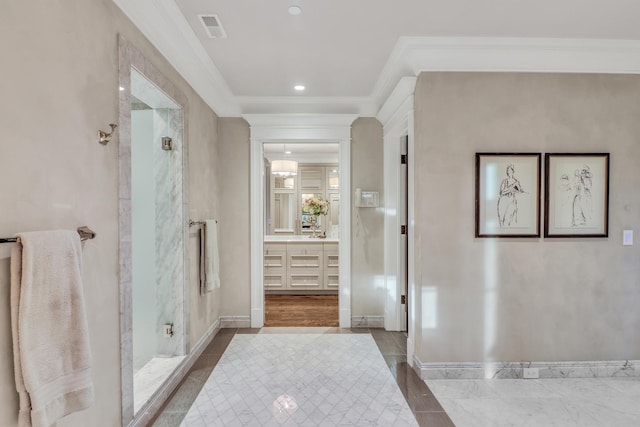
301, 310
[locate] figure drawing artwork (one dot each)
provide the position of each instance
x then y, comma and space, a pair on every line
577, 194
507, 194
510, 188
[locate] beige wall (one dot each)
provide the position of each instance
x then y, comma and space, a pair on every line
59, 86
367, 231
204, 196
367, 241
233, 173
523, 299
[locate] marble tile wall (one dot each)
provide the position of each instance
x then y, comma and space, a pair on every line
168, 170
130, 57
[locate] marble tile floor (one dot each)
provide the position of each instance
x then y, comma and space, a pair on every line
565, 402
151, 376
392, 346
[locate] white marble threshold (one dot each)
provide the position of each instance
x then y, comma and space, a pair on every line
162, 393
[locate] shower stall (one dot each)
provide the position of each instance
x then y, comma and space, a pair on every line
157, 237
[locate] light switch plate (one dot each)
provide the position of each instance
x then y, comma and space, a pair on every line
627, 237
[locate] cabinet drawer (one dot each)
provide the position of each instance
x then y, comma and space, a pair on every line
305, 280
331, 247
274, 247
275, 259
298, 261
304, 248
275, 280
331, 260
331, 279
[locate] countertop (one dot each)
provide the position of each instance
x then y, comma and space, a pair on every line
298, 238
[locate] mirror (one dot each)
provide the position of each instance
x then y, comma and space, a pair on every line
284, 213
317, 175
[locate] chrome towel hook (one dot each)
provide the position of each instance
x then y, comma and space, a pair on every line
104, 137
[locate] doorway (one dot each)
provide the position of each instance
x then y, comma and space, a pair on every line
299, 129
302, 234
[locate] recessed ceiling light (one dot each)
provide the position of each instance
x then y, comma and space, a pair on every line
295, 10
121, 88
299, 88
287, 152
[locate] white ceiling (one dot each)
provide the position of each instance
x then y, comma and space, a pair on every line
338, 48
351, 53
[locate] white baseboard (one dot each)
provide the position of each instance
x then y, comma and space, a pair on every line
235, 322
155, 402
513, 370
367, 322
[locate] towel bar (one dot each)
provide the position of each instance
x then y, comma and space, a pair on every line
84, 232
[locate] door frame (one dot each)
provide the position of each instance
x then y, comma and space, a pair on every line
130, 57
298, 128
396, 116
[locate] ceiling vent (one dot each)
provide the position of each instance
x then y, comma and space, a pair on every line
213, 26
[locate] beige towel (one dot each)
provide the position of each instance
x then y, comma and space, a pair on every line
209, 258
51, 352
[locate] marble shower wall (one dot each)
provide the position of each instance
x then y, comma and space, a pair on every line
169, 243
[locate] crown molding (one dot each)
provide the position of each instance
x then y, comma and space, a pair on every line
409, 57
182, 49
413, 55
362, 106
300, 127
398, 103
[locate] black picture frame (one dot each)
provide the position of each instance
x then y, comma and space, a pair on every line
576, 195
507, 195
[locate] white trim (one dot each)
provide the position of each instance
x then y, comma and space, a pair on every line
513, 370
330, 128
257, 232
344, 246
395, 116
235, 321
413, 55
409, 57
411, 236
363, 106
155, 402
182, 49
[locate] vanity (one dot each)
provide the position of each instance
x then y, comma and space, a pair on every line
296, 264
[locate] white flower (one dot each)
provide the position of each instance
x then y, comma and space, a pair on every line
315, 206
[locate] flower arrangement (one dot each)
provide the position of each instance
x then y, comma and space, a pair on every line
315, 206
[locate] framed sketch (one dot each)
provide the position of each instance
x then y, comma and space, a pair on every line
508, 194
576, 195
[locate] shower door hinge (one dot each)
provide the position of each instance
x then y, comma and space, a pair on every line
403, 159
168, 330
403, 229
167, 143
403, 299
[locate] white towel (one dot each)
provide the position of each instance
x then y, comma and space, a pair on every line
209, 258
51, 354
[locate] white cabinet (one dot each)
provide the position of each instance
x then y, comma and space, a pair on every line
331, 266
301, 266
275, 266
